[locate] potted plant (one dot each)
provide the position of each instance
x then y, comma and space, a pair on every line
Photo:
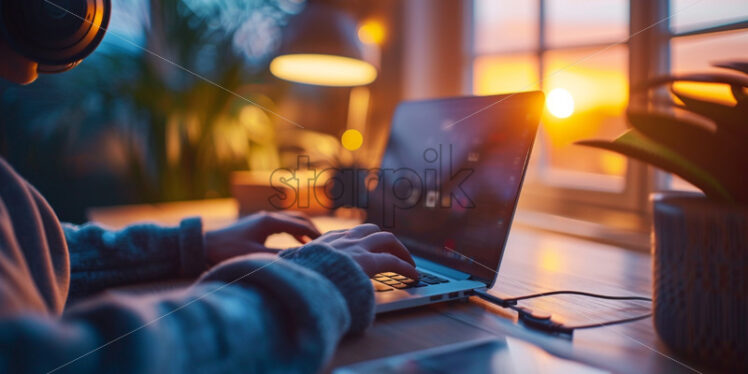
700, 241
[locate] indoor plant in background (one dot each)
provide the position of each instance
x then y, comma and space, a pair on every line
700, 242
154, 109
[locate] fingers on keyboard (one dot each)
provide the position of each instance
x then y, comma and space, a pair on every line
388, 281
379, 287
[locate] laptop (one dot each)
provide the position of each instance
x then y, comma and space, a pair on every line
448, 187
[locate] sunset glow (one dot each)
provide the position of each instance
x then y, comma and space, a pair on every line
560, 103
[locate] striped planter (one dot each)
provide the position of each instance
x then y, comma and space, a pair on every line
700, 254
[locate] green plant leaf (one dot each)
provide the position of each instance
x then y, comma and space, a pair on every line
635, 145
723, 155
698, 143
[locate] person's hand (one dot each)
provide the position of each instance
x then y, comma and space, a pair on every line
248, 234
374, 250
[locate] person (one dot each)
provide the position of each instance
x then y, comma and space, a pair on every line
247, 310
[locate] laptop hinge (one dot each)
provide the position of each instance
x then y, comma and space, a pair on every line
437, 268
486, 282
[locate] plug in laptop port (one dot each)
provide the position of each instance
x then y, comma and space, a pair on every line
435, 298
453, 295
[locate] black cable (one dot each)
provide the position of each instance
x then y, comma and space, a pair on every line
532, 321
581, 293
615, 322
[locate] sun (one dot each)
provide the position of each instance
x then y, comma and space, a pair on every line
560, 103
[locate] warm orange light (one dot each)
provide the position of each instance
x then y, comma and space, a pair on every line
709, 91
560, 103
612, 163
591, 103
505, 73
599, 88
550, 260
323, 70
597, 83
372, 32
352, 139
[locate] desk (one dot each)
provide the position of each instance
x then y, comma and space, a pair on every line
534, 261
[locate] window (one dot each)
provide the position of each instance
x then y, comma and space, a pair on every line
579, 53
703, 34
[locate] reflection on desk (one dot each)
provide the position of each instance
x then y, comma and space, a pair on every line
497, 355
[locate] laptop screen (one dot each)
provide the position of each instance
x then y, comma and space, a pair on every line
451, 175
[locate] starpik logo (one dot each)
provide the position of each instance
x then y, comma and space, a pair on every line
437, 185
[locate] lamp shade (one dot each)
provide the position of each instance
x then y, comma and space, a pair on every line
321, 47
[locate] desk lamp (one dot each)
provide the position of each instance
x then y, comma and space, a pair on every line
320, 47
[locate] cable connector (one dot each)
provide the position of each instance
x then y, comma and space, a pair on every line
543, 322
494, 299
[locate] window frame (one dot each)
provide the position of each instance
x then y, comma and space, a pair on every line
648, 57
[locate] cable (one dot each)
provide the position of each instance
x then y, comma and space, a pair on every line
616, 322
544, 323
581, 293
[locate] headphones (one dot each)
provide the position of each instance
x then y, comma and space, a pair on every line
56, 34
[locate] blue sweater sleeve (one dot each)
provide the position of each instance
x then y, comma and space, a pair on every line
101, 258
253, 314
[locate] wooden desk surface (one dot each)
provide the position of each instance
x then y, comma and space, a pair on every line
533, 262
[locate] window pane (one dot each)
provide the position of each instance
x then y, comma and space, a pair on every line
574, 22
505, 73
694, 14
598, 86
504, 25
697, 53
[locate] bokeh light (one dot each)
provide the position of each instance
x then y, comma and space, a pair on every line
560, 103
352, 139
372, 32
323, 70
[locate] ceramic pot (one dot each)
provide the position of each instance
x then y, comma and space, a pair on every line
700, 254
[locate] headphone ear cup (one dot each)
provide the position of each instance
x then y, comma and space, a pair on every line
56, 34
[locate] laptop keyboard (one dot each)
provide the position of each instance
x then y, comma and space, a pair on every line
384, 282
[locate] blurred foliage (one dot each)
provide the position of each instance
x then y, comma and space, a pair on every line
150, 120
701, 140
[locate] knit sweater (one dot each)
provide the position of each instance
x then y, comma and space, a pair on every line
252, 314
